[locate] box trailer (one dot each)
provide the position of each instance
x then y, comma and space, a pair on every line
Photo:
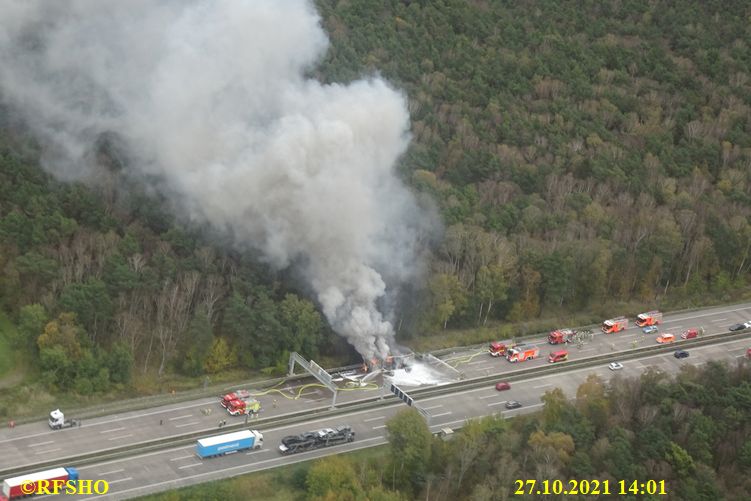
12, 487
220, 445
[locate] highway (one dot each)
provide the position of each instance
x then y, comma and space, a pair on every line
28, 444
178, 467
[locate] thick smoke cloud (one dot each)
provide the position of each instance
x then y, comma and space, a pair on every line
211, 97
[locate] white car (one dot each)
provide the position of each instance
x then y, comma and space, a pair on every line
615, 366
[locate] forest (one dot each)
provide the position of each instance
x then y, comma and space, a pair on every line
692, 432
581, 155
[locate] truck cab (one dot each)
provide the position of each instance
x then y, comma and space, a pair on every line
57, 419
614, 325
558, 356
238, 407
560, 336
649, 318
497, 349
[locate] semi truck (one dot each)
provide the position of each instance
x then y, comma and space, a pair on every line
561, 336
614, 325
239, 403
57, 420
42, 482
522, 353
318, 439
649, 318
219, 445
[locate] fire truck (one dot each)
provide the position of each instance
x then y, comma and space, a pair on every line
561, 336
522, 353
614, 325
498, 349
649, 318
240, 402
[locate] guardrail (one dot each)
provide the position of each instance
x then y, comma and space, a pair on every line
586, 362
150, 401
163, 399
189, 438
379, 401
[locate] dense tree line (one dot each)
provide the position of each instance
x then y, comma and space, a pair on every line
694, 432
99, 286
579, 152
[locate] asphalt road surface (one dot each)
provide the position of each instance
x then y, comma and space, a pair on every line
169, 469
30, 443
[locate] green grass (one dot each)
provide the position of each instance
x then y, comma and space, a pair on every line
286, 483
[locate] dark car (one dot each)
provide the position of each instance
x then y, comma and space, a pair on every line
680, 354
513, 404
737, 327
502, 386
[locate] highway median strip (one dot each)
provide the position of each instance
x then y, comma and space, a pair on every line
373, 402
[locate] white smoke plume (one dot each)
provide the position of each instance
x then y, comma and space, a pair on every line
212, 97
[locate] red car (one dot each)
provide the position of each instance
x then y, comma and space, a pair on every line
502, 386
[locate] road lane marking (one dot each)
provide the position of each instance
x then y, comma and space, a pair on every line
488, 396
718, 320
192, 423
433, 407
205, 402
47, 451
373, 419
42, 443
542, 386
485, 368
113, 429
180, 417
497, 403
111, 472
110, 482
190, 456
188, 466
379, 427
441, 414
585, 369
300, 457
261, 451
121, 436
